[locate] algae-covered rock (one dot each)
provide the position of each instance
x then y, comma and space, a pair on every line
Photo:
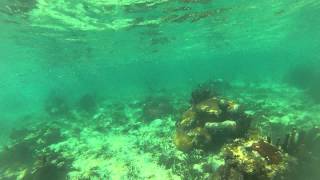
254, 159
210, 123
209, 108
183, 141
188, 119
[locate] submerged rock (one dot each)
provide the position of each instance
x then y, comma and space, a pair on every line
270, 152
254, 159
210, 123
183, 141
209, 108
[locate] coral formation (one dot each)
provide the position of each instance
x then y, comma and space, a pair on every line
253, 159
209, 123
113, 143
259, 158
268, 151
183, 141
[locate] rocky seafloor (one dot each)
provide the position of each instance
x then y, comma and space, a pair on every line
147, 137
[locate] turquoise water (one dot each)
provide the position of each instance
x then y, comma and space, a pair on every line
100, 89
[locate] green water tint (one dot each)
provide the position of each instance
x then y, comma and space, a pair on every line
186, 89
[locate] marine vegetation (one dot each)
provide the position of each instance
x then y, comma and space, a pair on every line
167, 137
29, 158
304, 145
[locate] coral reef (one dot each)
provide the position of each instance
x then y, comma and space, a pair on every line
253, 159
209, 123
113, 142
183, 141
259, 158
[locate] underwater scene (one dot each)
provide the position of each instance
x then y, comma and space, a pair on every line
159, 90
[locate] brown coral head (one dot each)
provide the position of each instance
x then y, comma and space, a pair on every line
209, 107
188, 119
183, 141
268, 151
202, 138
